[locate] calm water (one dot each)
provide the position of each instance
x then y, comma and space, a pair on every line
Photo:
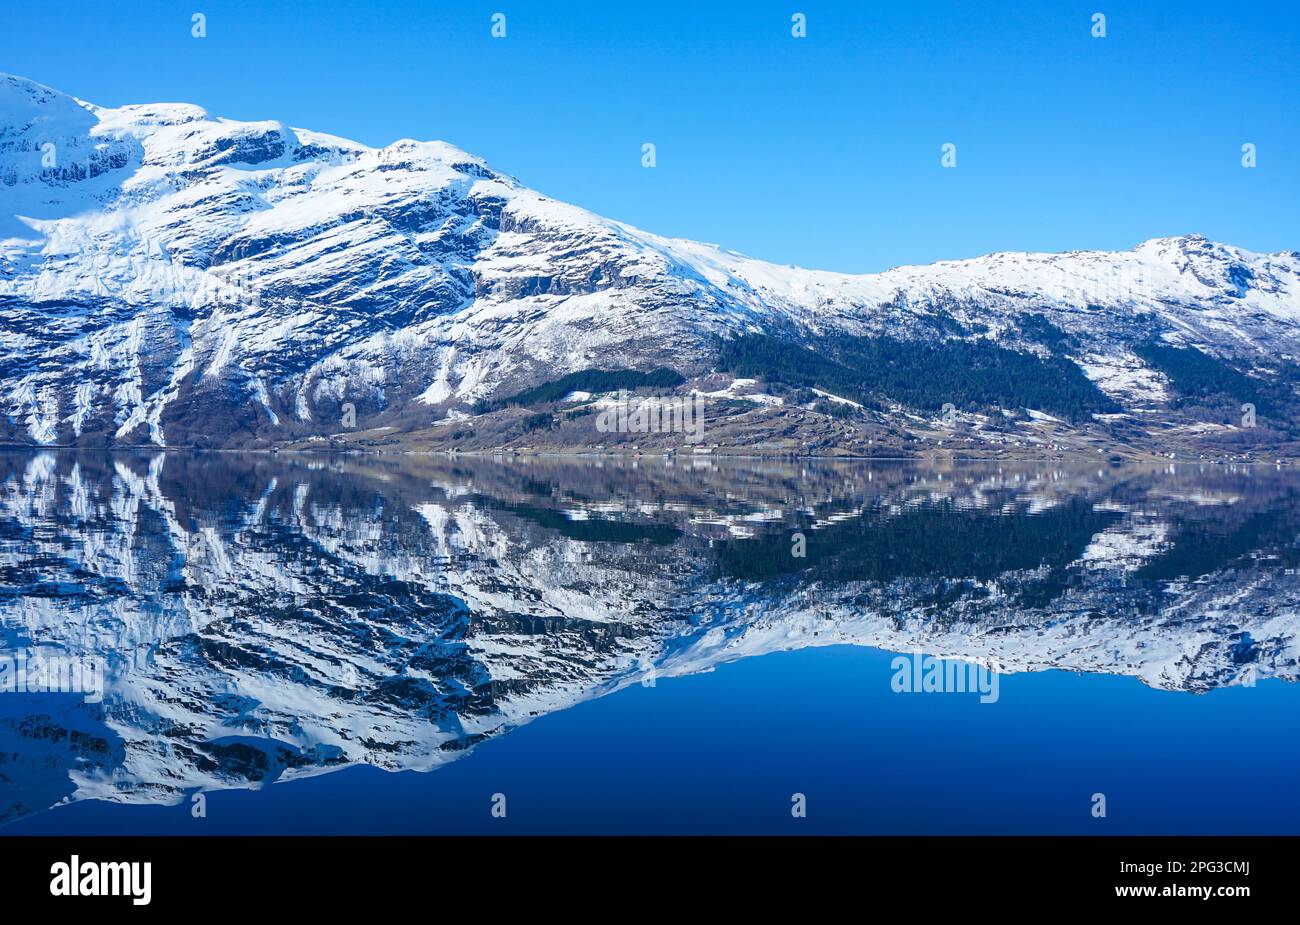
219, 643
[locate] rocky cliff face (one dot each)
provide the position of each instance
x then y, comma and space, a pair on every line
168, 277
261, 619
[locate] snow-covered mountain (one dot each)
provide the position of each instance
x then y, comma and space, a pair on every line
266, 619
171, 277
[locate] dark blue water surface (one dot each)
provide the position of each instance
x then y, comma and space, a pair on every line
1147, 650
724, 752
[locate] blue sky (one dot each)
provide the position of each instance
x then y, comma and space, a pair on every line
822, 151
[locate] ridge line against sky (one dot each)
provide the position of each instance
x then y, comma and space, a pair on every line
822, 151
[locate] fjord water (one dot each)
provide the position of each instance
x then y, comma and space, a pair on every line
403, 644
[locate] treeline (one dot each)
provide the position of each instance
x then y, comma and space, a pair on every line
1199, 377
938, 541
924, 375
587, 380
1219, 538
591, 529
1039, 329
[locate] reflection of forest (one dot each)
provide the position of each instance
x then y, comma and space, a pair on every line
266, 616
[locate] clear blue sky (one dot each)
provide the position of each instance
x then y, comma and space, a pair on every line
822, 151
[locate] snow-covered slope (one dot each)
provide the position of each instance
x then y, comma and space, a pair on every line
171, 277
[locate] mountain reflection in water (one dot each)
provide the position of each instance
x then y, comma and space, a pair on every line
261, 619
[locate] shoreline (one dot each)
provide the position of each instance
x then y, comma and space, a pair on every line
1144, 459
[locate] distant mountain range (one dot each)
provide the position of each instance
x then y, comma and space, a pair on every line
172, 278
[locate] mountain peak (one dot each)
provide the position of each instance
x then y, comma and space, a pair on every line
1183, 243
31, 112
25, 91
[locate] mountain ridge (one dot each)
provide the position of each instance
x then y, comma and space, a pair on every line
173, 278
